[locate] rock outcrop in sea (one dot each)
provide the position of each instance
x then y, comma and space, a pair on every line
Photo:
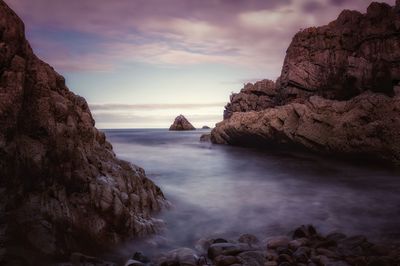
62, 188
181, 123
338, 92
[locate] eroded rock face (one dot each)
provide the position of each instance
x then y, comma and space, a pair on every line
360, 126
181, 123
253, 97
62, 188
355, 53
338, 91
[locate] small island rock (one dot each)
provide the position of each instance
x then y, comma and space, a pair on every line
181, 123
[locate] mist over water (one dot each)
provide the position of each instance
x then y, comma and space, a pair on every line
225, 191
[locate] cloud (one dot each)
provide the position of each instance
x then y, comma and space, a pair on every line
251, 34
161, 106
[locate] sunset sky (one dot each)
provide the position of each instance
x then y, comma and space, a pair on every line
140, 63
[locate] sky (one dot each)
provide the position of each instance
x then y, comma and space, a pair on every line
140, 63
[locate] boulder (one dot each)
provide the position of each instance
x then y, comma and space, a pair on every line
180, 256
62, 187
181, 123
205, 127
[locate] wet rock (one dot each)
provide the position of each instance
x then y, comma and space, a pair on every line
133, 262
278, 241
222, 260
252, 258
205, 138
180, 256
140, 257
296, 243
302, 254
248, 239
304, 231
81, 259
181, 123
227, 249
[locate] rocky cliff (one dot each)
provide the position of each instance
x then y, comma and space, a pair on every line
338, 91
61, 187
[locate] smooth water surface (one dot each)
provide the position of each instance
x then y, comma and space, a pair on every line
219, 190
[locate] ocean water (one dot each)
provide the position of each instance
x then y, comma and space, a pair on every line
218, 190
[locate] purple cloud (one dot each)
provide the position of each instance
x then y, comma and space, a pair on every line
253, 34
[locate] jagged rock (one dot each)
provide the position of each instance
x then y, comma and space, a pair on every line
369, 124
355, 53
253, 97
62, 188
181, 123
338, 91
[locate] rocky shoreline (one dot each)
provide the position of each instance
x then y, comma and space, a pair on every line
304, 246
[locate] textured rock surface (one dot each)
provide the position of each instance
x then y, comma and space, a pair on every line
338, 91
62, 188
354, 53
360, 126
181, 123
253, 97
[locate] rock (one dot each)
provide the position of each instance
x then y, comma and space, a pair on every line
219, 240
248, 239
252, 258
365, 126
222, 260
132, 262
231, 249
304, 231
180, 256
335, 94
140, 257
277, 241
205, 127
296, 243
327, 252
81, 259
348, 56
253, 97
181, 123
205, 138
62, 186
302, 254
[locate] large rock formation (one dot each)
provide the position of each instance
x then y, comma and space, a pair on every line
337, 93
181, 123
61, 186
354, 53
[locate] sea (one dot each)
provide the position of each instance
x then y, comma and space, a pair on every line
225, 191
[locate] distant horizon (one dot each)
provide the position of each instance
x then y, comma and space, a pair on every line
186, 53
